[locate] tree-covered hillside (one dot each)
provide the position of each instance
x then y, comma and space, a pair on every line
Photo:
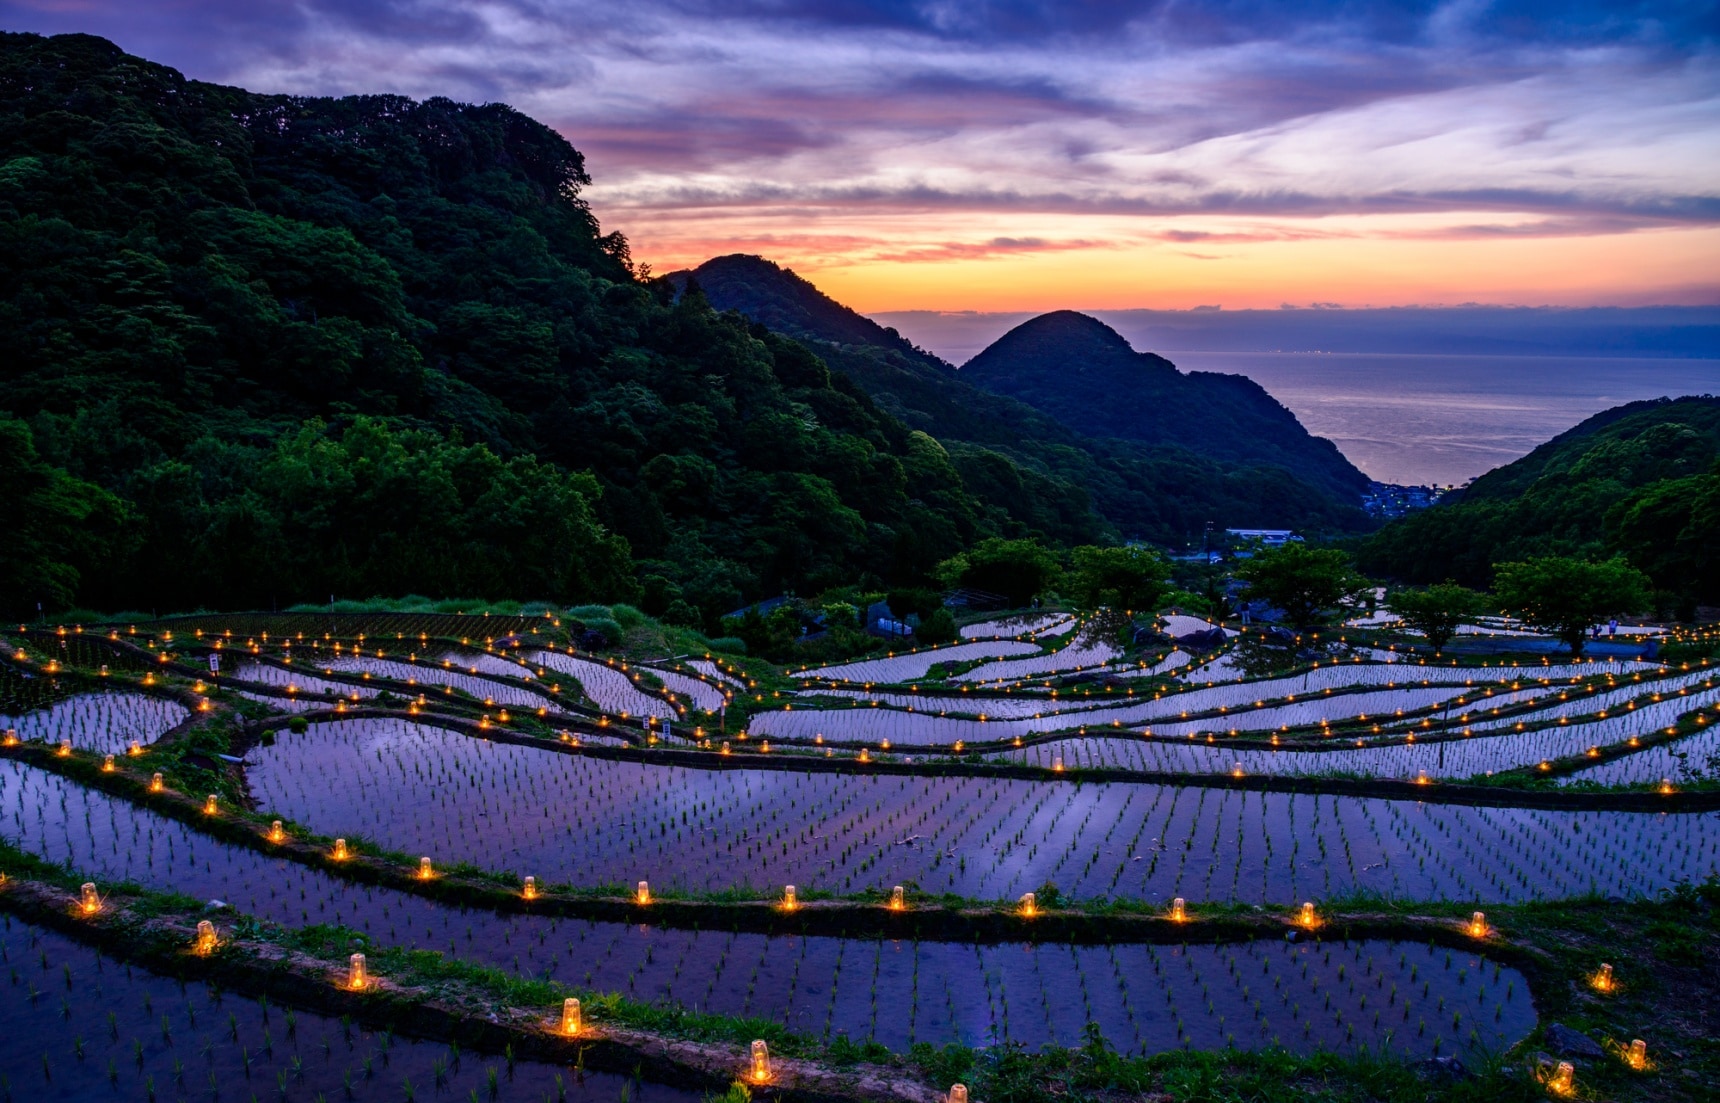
261, 349
1642, 479
1029, 464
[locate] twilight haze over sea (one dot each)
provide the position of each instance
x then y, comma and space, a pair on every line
1019, 156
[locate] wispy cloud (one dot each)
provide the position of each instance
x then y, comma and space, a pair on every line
861, 127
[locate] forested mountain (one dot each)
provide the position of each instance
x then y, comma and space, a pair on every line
260, 349
1021, 459
1641, 479
1084, 373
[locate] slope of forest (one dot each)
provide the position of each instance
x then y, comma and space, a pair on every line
261, 349
1002, 446
1084, 373
1642, 480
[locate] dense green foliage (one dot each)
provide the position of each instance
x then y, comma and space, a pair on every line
1029, 467
1436, 611
1019, 570
1118, 578
1641, 480
1302, 581
270, 348
1564, 597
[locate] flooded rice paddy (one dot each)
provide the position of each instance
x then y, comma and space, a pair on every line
566, 818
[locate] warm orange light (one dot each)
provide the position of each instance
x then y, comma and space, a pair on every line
760, 1062
426, 872
1603, 979
898, 901
530, 890
107, 764
789, 900
89, 901
643, 894
210, 807
569, 1017
1179, 910
277, 833
356, 975
1307, 917
1478, 925
1029, 905
340, 851
206, 938
1637, 1056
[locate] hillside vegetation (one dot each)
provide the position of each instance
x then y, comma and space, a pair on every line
1642, 479
1236, 457
264, 349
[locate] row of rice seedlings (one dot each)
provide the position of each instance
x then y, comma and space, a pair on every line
1015, 627
614, 690
424, 790
798, 981
908, 665
105, 723
75, 1025
1485, 753
1691, 759
299, 681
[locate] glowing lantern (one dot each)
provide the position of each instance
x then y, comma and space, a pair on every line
340, 852
209, 805
155, 784
643, 894
570, 1016
1478, 925
107, 764
1179, 910
205, 943
1028, 905
530, 890
65, 750
1637, 1058
425, 870
1563, 1080
356, 978
11, 737
1603, 980
897, 902
135, 749
277, 833
89, 901
788, 898
1307, 916
760, 1061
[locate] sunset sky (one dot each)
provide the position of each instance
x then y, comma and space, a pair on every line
1028, 156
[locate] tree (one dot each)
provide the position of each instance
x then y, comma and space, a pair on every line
1300, 580
940, 627
1436, 611
1562, 597
56, 527
1120, 578
1017, 569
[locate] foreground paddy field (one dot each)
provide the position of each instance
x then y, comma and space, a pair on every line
1039, 820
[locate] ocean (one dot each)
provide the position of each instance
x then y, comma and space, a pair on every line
1443, 419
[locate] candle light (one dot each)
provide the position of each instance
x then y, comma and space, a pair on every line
570, 1016
1564, 1078
11, 737
209, 805
1478, 925
277, 833
643, 895
89, 901
107, 764
1028, 904
1307, 917
1604, 979
760, 1061
897, 902
356, 978
135, 749
205, 937
425, 871
788, 898
340, 853
65, 750
155, 783
530, 890
1179, 910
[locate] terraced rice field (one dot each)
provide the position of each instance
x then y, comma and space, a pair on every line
74, 1026
106, 723
565, 818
